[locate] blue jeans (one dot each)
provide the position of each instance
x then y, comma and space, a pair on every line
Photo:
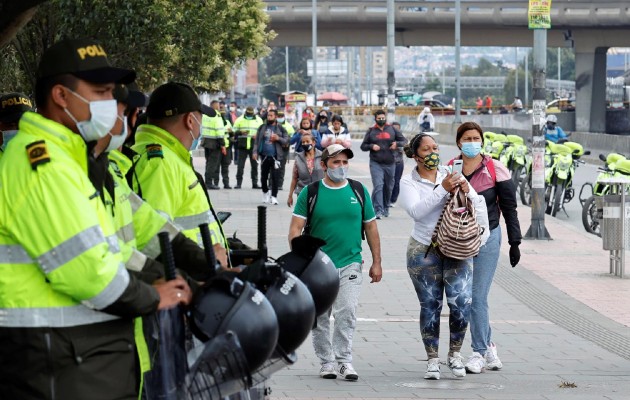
382, 183
485, 264
432, 277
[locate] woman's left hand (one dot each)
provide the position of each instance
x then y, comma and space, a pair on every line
464, 185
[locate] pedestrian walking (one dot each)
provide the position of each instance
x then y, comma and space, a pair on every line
337, 134
307, 168
492, 180
339, 218
68, 303
400, 166
269, 141
381, 140
282, 121
423, 194
306, 127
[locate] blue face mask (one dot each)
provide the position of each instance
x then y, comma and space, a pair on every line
195, 141
471, 149
7, 136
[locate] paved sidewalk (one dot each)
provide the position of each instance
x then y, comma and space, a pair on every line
559, 319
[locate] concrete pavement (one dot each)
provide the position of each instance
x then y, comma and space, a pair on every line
560, 321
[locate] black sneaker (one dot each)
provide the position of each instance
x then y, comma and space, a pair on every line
255, 186
237, 186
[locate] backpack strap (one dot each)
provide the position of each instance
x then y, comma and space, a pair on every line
311, 199
491, 170
357, 188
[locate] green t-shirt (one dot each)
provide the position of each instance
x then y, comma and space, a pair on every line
336, 219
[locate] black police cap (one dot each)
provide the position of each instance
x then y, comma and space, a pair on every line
172, 99
12, 106
84, 58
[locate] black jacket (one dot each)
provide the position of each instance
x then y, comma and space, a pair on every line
383, 137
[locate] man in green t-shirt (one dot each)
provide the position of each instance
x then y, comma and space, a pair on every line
337, 218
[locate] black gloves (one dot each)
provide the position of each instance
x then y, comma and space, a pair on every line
515, 255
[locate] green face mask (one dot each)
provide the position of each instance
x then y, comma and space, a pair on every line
431, 161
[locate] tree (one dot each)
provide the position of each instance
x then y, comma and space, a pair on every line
275, 65
194, 41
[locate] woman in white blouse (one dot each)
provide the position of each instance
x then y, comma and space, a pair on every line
423, 194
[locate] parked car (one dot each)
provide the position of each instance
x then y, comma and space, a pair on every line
561, 105
439, 108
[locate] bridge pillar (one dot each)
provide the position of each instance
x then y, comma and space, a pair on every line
590, 90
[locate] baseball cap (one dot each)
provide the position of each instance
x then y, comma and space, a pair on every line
12, 106
209, 111
249, 109
335, 149
172, 99
280, 113
84, 58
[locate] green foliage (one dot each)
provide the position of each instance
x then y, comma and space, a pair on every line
194, 41
273, 68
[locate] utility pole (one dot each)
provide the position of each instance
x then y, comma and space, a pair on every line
526, 78
391, 43
286, 62
458, 107
516, 75
314, 39
537, 230
559, 70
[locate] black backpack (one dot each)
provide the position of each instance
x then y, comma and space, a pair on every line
311, 199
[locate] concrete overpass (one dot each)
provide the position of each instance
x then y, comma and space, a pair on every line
590, 26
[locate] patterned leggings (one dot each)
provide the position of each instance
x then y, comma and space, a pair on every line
431, 277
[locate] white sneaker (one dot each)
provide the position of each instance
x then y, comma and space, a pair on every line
492, 359
328, 371
456, 365
347, 372
433, 369
266, 197
273, 200
476, 363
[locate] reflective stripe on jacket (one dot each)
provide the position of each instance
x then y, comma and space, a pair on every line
248, 125
170, 186
59, 255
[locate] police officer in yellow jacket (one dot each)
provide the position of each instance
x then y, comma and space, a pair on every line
245, 128
212, 131
12, 106
226, 152
67, 302
163, 174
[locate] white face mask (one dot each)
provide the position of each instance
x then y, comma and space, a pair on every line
118, 140
7, 136
103, 114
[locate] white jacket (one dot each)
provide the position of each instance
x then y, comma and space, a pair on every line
424, 200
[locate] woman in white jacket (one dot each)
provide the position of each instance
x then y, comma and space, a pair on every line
426, 120
423, 194
336, 134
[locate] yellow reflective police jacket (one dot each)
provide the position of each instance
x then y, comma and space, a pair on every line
60, 260
250, 126
165, 178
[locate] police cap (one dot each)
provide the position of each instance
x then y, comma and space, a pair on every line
84, 58
12, 106
172, 99
130, 95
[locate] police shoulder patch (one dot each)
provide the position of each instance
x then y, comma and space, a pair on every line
154, 150
37, 153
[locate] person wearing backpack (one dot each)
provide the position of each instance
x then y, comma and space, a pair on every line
338, 210
423, 195
491, 179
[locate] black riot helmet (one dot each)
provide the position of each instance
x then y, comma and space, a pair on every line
314, 268
227, 304
294, 307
